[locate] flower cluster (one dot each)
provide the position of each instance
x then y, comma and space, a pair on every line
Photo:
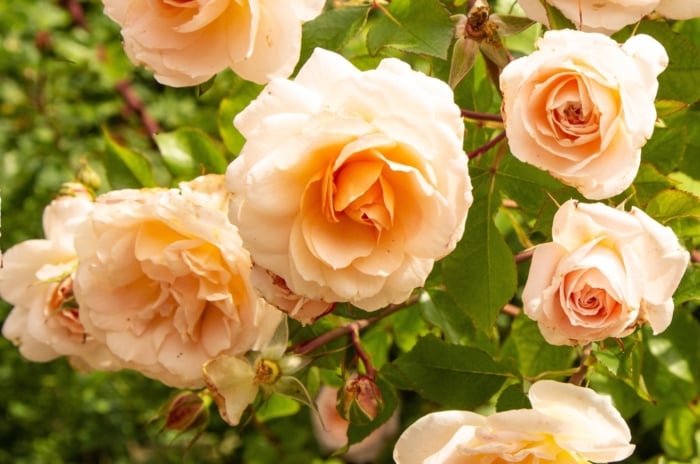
351, 184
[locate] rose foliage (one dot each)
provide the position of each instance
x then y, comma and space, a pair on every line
412, 231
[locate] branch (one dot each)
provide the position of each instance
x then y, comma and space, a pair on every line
487, 146
580, 374
481, 116
349, 328
524, 255
135, 104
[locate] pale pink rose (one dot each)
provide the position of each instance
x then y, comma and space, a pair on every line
163, 281
608, 16
351, 184
275, 291
186, 42
567, 424
679, 9
330, 430
605, 272
36, 277
582, 106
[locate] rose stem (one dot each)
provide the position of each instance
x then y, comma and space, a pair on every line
362, 354
524, 255
487, 146
349, 328
481, 116
580, 374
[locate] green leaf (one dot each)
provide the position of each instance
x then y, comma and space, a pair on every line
125, 168
679, 80
398, 26
188, 152
332, 30
242, 93
677, 209
480, 274
678, 436
439, 309
509, 24
556, 18
356, 432
513, 398
689, 288
648, 182
454, 376
277, 406
535, 356
666, 148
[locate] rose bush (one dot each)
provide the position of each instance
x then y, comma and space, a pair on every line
163, 281
351, 184
582, 106
186, 42
605, 272
37, 277
567, 424
609, 16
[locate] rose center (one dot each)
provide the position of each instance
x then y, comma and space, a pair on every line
359, 191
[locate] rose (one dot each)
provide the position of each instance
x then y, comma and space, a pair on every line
330, 430
605, 271
582, 106
37, 277
567, 424
351, 184
609, 16
163, 281
186, 42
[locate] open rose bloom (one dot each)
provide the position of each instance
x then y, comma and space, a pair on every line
186, 42
37, 278
609, 16
351, 184
582, 106
605, 272
566, 425
163, 281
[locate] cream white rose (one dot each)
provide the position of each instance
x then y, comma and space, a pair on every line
351, 184
605, 272
582, 106
566, 425
331, 430
163, 281
37, 278
186, 42
608, 16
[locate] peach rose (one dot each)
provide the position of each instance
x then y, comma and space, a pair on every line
37, 277
330, 430
605, 272
608, 16
351, 184
566, 425
186, 42
582, 107
163, 281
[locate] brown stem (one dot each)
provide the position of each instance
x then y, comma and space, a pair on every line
362, 354
135, 104
481, 116
354, 326
524, 255
580, 374
76, 12
487, 146
695, 256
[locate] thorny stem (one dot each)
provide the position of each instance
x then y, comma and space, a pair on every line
487, 146
362, 354
580, 374
135, 104
524, 255
481, 116
354, 326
